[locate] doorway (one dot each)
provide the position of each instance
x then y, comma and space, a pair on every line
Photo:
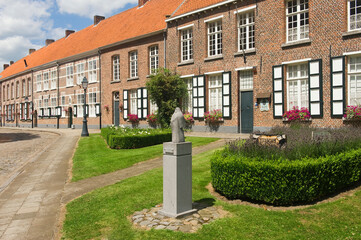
246, 112
116, 109
70, 117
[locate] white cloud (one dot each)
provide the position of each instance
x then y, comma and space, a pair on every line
89, 8
24, 22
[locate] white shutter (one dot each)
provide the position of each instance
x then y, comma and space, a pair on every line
199, 96
315, 87
21, 110
337, 86
226, 95
278, 91
125, 104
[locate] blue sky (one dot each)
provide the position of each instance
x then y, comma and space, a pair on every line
27, 24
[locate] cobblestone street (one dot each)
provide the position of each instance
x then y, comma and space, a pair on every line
18, 146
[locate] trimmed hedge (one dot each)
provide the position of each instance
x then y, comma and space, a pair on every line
284, 182
126, 138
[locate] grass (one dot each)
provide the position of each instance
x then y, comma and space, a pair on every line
103, 213
94, 158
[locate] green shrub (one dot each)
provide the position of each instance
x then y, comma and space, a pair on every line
127, 138
284, 182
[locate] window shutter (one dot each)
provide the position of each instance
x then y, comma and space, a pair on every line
199, 95
278, 92
26, 110
337, 86
21, 110
145, 102
226, 95
75, 111
139, 103
315, 88
125, 104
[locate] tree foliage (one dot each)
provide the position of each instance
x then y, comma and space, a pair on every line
166, 89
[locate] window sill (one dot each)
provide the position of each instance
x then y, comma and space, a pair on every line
133, 78
248, 51
296, 43
70, 86
117, 81
185, 63
93, 82
351, 33
213, 58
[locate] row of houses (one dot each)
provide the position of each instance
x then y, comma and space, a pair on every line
251, 59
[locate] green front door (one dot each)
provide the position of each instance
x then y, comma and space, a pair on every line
247, 112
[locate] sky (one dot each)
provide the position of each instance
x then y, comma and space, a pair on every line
26, 24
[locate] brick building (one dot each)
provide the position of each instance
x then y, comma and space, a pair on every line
253, 60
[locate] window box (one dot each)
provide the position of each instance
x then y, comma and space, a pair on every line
286, 120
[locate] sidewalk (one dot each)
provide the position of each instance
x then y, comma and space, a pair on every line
30, 205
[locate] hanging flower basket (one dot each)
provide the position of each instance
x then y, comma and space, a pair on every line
106, 107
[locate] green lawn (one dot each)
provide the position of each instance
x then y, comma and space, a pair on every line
94, 158
103, 213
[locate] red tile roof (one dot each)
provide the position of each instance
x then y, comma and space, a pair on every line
125, 25
192, 5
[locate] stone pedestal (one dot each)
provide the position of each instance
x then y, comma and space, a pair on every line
177, 179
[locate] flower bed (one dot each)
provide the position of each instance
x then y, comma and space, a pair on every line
127, 138
301, 172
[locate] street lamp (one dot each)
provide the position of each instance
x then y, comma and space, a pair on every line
84, 132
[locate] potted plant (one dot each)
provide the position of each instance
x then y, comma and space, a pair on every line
297, 115
213, 116
152, 120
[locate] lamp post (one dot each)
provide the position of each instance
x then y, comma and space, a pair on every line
84, 132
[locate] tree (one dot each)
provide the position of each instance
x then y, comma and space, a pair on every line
166, 89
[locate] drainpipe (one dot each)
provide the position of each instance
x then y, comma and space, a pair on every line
57, 73
100, 89
165, 46
32, 98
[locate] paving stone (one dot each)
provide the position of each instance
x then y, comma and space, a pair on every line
160, 227
185, 228
144, 223
173, 228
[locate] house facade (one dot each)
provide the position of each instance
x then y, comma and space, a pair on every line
251, 60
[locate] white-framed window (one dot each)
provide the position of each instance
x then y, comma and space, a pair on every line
297, 86
69, 75
46, 81
354, 80
116, 68
153, 59
62, 104
53, 104
23, 86
12, 91
8, 91
53, 78
40, 105
215, 92
246, 31
80, 74
187, 102
215, 38
92, 70
38, 83
46, 107
17, 89
92, 96
29, 86
133, 64
187, 44
246, 80
297, 20
354, 15
80, 108
133, 102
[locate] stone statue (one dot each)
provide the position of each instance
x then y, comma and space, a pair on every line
177, 123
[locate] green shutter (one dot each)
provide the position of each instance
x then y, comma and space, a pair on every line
315, 88
338, 103
278, 91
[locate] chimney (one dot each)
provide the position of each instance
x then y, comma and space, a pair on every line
31, 50
141, 2
97, 19
68, 32
49, 41
11, 62
6, 66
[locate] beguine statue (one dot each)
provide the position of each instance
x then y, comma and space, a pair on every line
177, 123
